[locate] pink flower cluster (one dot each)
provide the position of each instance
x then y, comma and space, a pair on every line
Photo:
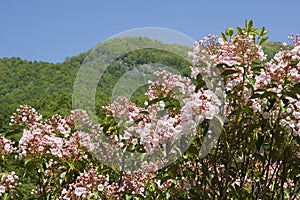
279, 76
295, 39
136, 182
237, 54
25, 116
173, 84
280, 70
128, 113
6, 146
241, 49
92, 185
291, 118
89, 185
202, 50
8, 181
56, 137
161, 124
151, 131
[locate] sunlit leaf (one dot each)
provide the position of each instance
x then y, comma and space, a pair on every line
263, 40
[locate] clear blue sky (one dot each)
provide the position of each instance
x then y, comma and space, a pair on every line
51, 30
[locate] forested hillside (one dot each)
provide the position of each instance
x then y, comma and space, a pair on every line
48, 87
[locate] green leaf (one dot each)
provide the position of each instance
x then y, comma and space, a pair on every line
154, 186
291, 94
259, 142
63, 175
263, 40
30, 163
249, 25
259, 157
5, 197
255, 96
269, 94
127, 197
296, 89
240, 30
256, 69
10, 133
199, 77
144, 112
154, 101
230, 32
246, 23
2, 178
262, 30
228, 72
271, 104
200, 85
224, 36
27, 160
138, 121
297, 85
138, 196
223, 65
71, 166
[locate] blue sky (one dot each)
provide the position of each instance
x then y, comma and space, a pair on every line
55, 29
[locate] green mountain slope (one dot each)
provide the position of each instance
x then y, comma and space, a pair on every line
48, 87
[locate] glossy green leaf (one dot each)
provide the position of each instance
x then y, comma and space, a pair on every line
263, 40
291, 94
228, 72
224, 36
240, 30
262, 31
230, 32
